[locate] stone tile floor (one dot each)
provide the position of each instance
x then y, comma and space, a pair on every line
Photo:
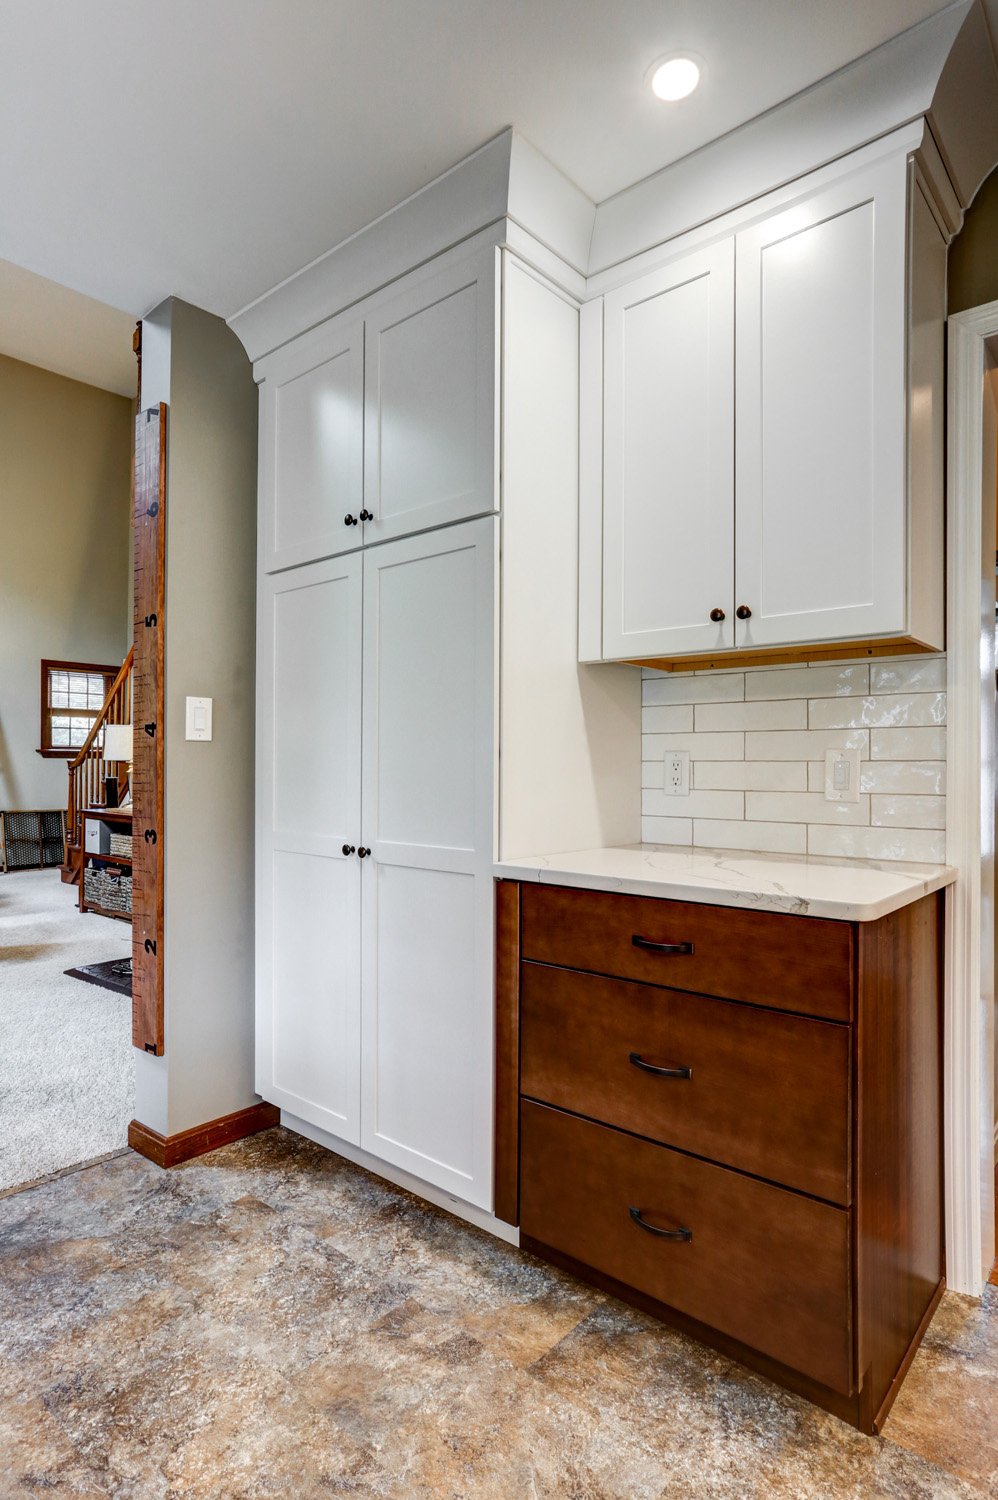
272, 1321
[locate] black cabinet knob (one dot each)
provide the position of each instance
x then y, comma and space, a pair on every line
349, 849
362, 853
717, 615
366, 515
743, 612
349, 520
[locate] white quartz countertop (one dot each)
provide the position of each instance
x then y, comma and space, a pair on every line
848, 890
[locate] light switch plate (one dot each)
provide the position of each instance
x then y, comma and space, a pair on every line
841, 775
199, 718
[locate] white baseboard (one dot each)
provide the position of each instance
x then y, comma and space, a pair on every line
440, 1199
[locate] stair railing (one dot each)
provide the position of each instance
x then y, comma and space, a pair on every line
88, 767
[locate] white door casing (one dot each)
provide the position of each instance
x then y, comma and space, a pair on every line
309, 807
429, 644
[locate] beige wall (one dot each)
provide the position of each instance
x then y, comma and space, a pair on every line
65, 462
973, 255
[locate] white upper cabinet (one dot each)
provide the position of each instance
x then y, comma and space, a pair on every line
821, 421
431, 400
668, 496
312, 445
768, 474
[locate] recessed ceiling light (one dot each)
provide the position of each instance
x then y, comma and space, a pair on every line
674, 77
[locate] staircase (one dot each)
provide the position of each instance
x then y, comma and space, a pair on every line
88, 769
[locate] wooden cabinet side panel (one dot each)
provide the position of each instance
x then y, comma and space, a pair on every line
899, 1186
507, 1105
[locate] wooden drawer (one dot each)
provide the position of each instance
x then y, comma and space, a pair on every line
767, 1092
790, 963
763, 1265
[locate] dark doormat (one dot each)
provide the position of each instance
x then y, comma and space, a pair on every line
116, 975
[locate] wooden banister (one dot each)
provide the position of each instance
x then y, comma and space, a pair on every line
88, 767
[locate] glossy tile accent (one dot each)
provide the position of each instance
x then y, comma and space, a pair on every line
878, 843
766, 731
272, 1321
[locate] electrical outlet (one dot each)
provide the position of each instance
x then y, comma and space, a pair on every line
677, 773
842, 775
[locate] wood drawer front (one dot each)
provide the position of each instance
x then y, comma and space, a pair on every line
765, 1266
790, 963
768, 1092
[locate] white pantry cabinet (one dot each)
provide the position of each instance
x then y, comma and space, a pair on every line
375, 851
770, 474
381, 422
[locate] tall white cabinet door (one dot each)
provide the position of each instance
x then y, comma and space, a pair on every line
312, 446
429, 642
431, 408
821, 416
668, 482
309, 808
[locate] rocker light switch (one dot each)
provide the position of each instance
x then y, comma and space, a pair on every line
199, 719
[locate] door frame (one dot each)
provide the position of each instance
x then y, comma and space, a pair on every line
969, 1039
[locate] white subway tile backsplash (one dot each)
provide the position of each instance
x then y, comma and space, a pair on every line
666, 830
804, 744
700, 746
769, 838
757, 741
728, 687
923, 674
668, 719
925, 777
908, 744
807, 682
790, 713
918, 844
751, 775
697, 804
887, 710
908, 812
803, 807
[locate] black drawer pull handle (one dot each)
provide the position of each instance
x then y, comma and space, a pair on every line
637, 1061
650, 947
664, 1234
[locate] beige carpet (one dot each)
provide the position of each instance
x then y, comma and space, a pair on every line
67, 1080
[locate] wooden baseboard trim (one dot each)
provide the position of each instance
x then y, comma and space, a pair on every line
905, 1365
171, 1150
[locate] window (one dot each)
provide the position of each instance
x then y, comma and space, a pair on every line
73, 694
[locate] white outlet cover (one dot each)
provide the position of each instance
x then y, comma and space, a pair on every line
676, 774
841, 775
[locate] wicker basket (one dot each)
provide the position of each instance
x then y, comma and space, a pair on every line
121, 845
108, 888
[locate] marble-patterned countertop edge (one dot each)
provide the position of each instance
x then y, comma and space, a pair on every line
847, 890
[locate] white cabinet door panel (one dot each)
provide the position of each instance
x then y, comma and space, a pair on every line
312, 445
309, 807
668, 455
431, 404
429, 644
820, 541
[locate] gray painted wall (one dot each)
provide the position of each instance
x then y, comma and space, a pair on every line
973, 256
65, 475
193, 361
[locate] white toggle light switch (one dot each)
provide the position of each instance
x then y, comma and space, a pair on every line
842, 775
199, 718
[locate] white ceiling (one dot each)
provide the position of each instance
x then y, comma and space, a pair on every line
210, 148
